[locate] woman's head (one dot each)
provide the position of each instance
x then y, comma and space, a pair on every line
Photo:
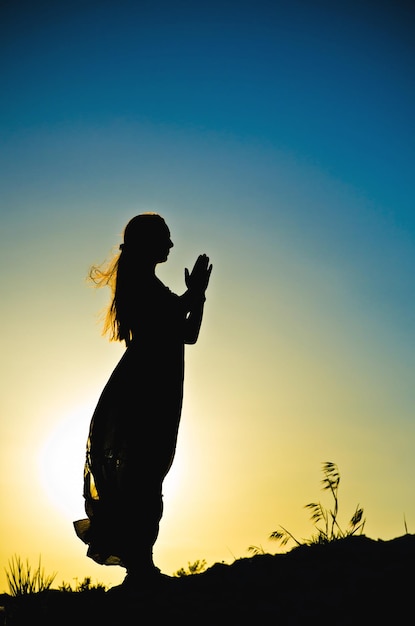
147, 238
146, 243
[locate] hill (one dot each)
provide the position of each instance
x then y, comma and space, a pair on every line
351, 581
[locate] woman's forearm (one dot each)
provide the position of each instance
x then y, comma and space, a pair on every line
194, 304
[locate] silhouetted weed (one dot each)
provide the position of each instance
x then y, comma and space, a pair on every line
325, 520
193, 568
22, 580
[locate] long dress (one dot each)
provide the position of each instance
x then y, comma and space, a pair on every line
133, 434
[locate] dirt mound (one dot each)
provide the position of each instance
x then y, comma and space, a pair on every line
351, 581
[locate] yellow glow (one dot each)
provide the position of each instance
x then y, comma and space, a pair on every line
294, 366
60, 462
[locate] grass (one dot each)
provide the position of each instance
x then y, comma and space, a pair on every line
326, 525
193, 568
23, 580
85, 585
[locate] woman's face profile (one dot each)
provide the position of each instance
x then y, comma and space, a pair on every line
163, 246
159, 243
149, 238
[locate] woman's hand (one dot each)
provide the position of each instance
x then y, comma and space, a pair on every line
198, 280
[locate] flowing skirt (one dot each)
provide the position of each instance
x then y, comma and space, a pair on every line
130, 449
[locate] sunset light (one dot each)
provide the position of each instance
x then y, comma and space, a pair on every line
61, 459
277, 139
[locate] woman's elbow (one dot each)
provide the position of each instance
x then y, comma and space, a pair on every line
191, 339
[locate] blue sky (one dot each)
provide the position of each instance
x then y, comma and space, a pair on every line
332, 82
278, 137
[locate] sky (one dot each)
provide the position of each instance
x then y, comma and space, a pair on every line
276, 137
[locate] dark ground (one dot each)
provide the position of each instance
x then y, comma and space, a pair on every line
352, 581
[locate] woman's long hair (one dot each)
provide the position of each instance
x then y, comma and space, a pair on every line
120, 274
110, 275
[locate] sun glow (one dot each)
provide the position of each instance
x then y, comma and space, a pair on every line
61, 460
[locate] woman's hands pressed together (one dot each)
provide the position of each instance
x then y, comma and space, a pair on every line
198, 280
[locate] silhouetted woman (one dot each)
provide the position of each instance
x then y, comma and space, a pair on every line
133, 431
